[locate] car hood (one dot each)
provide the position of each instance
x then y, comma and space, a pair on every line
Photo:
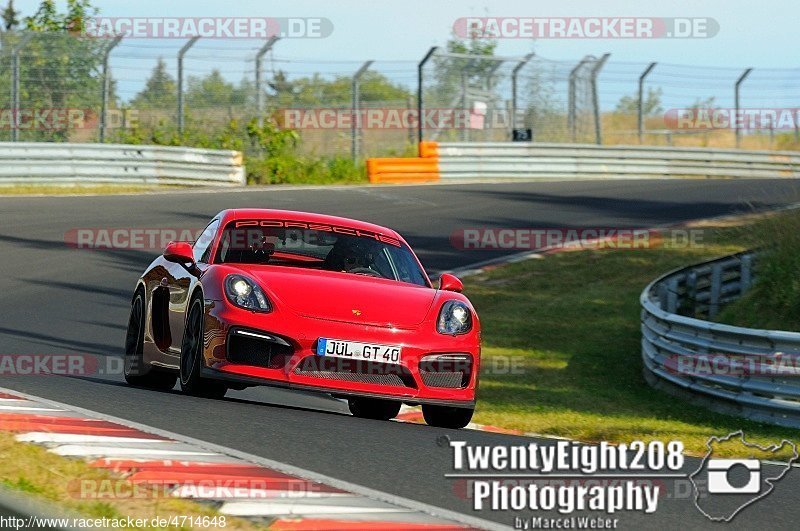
346, 297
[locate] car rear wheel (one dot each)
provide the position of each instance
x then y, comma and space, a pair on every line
192, 357
136, 372
447, 417
373, 408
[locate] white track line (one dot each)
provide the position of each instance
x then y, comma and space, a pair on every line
40, 437
27, 408
79, 450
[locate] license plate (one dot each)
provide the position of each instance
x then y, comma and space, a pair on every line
354, 350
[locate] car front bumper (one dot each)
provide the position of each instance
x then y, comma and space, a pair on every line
300, 335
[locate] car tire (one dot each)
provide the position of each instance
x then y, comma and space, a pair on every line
373, 408
135, 371
191, 362
447, 417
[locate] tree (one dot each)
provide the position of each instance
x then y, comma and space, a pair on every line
651, 103
452, 74
59, 69
213, 91
10, 16
160, 90
316, 91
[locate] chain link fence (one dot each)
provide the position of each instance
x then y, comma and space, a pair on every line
59, 87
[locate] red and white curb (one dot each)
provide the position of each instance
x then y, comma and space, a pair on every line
280, 496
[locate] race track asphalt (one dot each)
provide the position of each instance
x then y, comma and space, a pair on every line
57, 299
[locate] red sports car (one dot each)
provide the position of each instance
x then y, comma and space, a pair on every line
305, 301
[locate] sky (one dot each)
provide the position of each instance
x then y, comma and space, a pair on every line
751, 34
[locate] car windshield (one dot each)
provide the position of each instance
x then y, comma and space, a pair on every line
318, 246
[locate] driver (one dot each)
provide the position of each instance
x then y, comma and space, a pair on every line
351, 254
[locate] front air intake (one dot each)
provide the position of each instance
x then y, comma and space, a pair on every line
258, 349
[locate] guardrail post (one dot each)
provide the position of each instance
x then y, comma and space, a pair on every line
259, 89
15, 84
181, 53
640, 100
672, 295
691, 292
520, 65
420, 72
745, 273
739, 82
106, 88
355, 121
598, 127
663, 295
716, 289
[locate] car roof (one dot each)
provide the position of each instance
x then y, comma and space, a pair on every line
227, 216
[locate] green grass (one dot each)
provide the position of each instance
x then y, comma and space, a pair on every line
774, 300
33, 470
570, 322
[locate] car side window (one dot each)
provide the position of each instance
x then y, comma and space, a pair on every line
202, 247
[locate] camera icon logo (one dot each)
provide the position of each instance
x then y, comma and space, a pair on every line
721, 470
723, 486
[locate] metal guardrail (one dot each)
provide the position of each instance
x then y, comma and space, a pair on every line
747, 372
69, 164
532, 160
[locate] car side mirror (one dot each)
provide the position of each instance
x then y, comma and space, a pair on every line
450, 282
179, 252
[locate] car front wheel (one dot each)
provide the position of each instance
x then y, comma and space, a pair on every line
374, 408
192, 357
447, 417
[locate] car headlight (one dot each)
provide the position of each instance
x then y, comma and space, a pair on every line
245, 293
455, 318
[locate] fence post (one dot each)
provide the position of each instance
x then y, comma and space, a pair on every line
520, 65
410, 106
420, 68
15, 84
640, 101
355, 121
598, 127
736, 127
571, 122
106, 88
259, 89
181, 53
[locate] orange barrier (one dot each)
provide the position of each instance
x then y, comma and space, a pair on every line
406, 170
429, 149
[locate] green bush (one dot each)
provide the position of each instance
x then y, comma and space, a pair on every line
270, 153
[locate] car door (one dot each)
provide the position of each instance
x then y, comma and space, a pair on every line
180, 281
